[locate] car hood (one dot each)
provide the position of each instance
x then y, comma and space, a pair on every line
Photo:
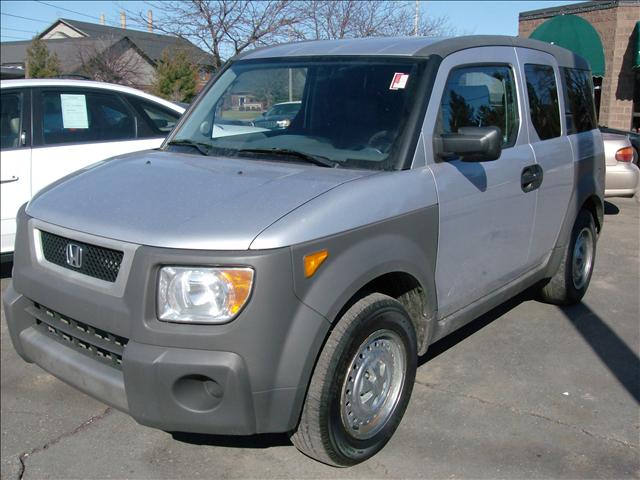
271, 118
180, 200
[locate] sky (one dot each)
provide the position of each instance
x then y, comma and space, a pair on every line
467, 17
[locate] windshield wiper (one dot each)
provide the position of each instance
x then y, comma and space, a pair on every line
307, 157
203, 148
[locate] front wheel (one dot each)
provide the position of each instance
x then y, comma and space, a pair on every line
361, 385
570, 282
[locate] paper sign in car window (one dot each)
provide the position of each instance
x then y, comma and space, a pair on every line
399, 81
74, 111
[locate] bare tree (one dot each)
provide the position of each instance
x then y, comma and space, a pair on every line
222, 27
120, 62
228, 27
432, 27
326, 19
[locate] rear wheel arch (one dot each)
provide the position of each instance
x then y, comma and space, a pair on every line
570, 280
586, 199
594, 205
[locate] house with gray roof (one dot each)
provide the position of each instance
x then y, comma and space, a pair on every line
74, 42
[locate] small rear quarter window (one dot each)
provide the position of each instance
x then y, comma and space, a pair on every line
580, 112
543, 100
159, 120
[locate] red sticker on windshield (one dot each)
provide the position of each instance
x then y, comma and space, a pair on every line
399, 81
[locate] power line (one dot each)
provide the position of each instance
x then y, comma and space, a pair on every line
66, 10
25, 18
18, 30
12, 37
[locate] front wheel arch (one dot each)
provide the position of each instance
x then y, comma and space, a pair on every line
414, 297
321, 434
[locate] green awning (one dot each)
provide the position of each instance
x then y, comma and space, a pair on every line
636, 63
576, 34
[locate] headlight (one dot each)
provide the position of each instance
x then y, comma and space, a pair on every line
202, 295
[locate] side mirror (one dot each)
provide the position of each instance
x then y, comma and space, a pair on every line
472, 144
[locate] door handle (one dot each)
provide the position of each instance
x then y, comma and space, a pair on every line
531, 178
11, 180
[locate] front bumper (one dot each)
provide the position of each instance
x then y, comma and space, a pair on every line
623, 178
244, 377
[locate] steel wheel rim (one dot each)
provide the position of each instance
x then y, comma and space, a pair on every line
373, 384
582, 258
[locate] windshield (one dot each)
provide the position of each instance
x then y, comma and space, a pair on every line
346, 112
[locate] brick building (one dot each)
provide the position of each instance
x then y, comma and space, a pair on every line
617, 23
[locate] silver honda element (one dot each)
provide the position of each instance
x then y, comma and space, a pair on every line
284, 276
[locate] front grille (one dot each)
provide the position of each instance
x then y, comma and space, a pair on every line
98, 262
94, 342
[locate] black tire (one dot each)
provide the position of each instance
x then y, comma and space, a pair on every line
321, 433
563, 289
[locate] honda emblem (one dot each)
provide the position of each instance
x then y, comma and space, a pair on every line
74, 255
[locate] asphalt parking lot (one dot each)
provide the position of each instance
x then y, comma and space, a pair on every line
527, 391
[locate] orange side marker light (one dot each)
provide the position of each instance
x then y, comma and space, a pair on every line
313, 261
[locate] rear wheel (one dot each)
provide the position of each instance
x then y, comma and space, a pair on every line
570, 282
361, 385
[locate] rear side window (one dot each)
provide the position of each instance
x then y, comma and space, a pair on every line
11, 119
159, 120
580, 110
480, 96
80, 117
543, 100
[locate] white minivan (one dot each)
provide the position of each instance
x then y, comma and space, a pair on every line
50, 128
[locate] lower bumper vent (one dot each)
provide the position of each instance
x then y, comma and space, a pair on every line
94, 342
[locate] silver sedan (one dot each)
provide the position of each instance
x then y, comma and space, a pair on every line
622, 175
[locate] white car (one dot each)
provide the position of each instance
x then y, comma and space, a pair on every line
51, 128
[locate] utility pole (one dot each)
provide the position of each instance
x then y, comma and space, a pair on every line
290, 85
416, 19
290, 71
